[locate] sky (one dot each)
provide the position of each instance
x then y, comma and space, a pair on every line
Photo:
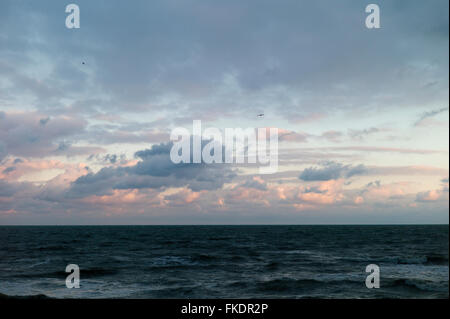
86, 114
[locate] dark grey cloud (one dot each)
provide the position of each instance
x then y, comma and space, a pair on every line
370, 185
374, 184
18, 161
114, 158
430, 114
444, 182
9, 169
330, 171
154, 170
44, 121
315, 190
350, 171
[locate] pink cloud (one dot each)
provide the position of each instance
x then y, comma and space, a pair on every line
13, 170
183, 197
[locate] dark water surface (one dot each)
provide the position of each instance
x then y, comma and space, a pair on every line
225, 261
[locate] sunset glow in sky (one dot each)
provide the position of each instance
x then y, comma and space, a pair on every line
362, 113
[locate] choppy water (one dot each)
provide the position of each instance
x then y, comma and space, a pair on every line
225, 261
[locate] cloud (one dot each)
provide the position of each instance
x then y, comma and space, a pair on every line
244, 56
44, 121
3, 152
374, 184
110, 158
326, 193
9, 189
129, 133
24, 134
332, 136
223, 63
154, 170
182, 197
386, 194
290, 136
351, 171
407, 170
288, 196
384, 149
256, 183
361, 134
444, 184
430, 114
429, 196
331, 171
9, 170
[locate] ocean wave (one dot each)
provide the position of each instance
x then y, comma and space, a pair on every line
277, 285
289, 284
238, 284
272, 265
219, 238
52, 247
423, 260
97, 272
437, 260
204, 257
419, 260
84, 273
432, 260
170, 261
418, 284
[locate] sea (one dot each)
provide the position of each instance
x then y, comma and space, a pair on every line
225, 261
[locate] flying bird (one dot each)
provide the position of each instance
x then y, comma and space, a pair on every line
261, 115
